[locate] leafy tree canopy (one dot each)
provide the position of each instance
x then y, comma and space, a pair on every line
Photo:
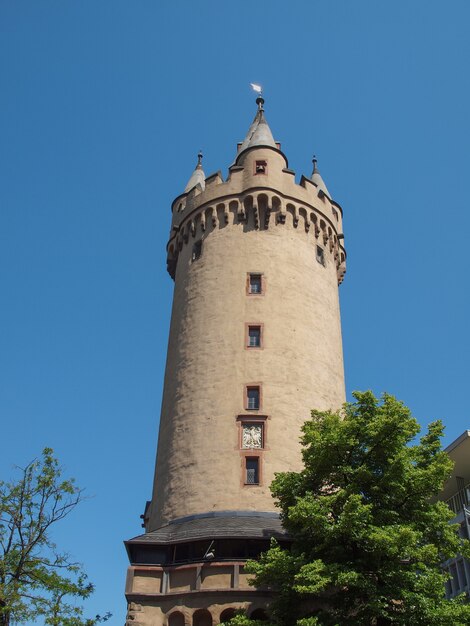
36, 580
368, 536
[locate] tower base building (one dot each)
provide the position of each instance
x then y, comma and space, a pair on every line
254, 345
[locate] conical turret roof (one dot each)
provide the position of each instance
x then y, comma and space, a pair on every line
197, 177
317, 179
259, 133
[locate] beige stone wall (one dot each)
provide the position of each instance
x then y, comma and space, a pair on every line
213, 587
199, 465
151, 612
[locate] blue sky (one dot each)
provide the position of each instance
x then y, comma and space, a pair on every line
104, 108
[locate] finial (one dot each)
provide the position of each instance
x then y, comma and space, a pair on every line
314, 161
199, 157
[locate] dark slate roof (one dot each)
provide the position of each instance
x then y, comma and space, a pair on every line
217, 525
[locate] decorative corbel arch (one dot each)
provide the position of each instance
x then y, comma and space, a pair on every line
233, 208
291, 209
303, 213
278, 209
246, 206
261, 209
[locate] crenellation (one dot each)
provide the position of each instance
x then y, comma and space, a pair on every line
242, 179
214, 179
178, 203
261, 204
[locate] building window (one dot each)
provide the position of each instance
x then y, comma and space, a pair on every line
321, 256
253, 398
255, 284
254, 337
455, 579
252, 470
197, 251
261, 167
448, 587
335, 213
462, 574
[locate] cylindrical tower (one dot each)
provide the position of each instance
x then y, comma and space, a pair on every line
255, 344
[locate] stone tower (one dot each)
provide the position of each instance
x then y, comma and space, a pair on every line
255, 344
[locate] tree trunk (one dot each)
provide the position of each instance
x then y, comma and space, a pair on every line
5, 619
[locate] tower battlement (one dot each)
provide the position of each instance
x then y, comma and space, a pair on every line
259, 201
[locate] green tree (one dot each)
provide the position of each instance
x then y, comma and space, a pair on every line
36, 580
368, 535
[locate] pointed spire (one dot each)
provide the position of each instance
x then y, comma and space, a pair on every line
197, 177
317, 179
259, 133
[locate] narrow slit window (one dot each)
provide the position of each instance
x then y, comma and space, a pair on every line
254, 336
255, 284
252, 471
252, 398
321, 256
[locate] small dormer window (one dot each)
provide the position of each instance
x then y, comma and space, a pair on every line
261, 167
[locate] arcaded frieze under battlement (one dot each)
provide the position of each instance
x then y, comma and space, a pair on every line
260, 209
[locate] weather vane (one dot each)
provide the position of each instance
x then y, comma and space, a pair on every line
257, 88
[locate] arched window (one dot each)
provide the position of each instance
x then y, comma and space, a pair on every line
259, 614
176, 619
202, 617
227, 615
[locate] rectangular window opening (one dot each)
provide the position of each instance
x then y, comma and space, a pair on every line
462, 574
252, 398
261, 167
255, 285
252, 470
321, 256
455, 578
254, 336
